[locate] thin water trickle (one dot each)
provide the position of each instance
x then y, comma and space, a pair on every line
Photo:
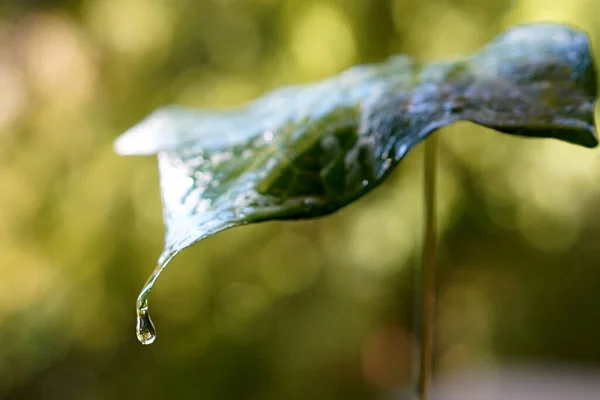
144, 329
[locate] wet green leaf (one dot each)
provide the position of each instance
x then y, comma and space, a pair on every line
307, 151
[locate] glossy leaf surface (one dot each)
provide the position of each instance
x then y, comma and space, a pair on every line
307, 151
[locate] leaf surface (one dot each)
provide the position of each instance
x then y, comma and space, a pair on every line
307, 151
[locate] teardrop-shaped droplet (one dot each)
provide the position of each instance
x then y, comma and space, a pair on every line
144, 330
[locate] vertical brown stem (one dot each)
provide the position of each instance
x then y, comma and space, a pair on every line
427, 288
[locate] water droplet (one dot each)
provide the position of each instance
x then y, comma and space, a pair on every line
387, 163
144, 330
268, 136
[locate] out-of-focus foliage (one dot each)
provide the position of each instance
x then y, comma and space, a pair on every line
319, 309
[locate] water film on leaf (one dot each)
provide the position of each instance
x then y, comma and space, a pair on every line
307, 151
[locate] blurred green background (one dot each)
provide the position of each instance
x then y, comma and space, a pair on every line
319, 309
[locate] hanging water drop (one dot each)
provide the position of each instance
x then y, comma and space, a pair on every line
144, 329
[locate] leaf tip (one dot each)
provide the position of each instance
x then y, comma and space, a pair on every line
135, 141
146, 137
592, 139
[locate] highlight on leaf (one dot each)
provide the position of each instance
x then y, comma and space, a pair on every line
307, 151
